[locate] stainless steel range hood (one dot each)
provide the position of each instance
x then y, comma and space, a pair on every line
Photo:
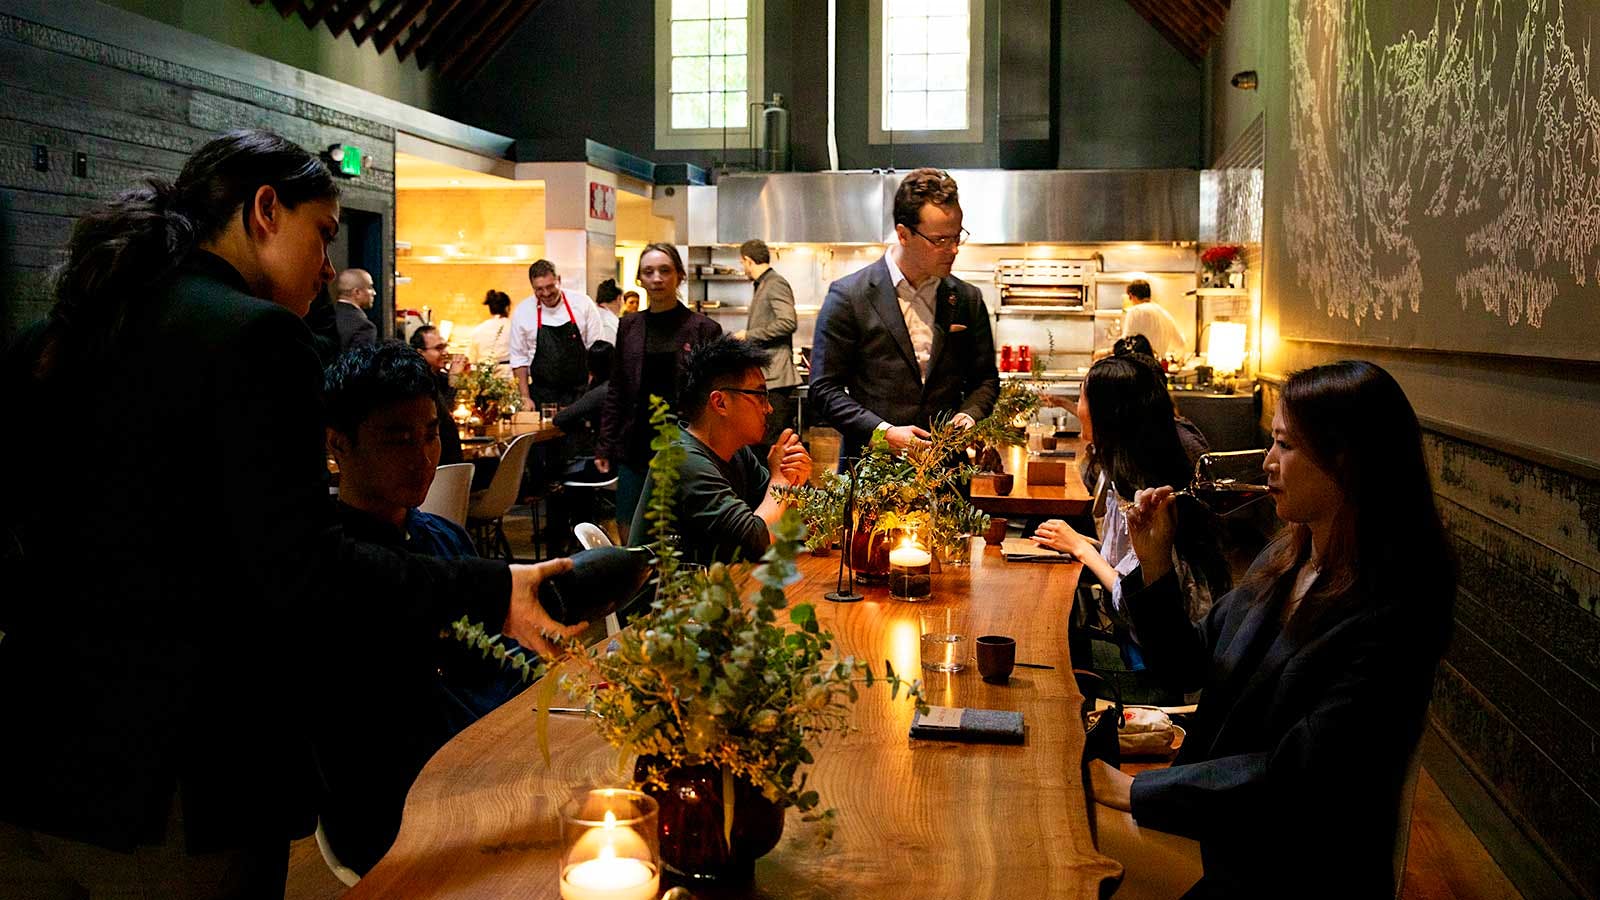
1001, 206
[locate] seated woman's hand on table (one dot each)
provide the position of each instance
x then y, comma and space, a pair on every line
1058, 535
526, 618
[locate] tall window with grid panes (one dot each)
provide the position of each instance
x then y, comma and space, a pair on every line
708, 67
927, 77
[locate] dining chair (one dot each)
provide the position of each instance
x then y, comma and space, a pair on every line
450, 493
590, 536
344, 873
486, 509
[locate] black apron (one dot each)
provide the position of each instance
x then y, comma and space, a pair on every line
560, 365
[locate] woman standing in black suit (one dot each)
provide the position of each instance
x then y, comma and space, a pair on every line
650, 351
1317, 669
177, 587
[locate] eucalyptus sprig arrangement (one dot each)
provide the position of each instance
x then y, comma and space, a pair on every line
709, 676
485, 389
821, 507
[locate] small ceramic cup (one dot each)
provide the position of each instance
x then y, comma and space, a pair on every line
997, 656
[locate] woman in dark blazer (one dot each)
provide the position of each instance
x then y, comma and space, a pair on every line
177, 584
1317, 669
651, 348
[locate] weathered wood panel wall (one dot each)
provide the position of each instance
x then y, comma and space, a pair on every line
1518, 696
132, 115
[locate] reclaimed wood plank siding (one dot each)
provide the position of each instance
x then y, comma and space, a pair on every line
1518, 696
133, 115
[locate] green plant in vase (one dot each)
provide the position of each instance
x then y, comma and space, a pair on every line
491, 396
821, 508
710, 690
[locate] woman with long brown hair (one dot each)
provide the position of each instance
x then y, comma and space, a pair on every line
1317, 669
651, 348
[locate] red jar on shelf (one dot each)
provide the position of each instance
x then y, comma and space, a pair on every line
1005, 358
1024, 359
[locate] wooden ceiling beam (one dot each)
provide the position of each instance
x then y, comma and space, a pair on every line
398, 24
314, 15
486, 47
376, 18
462, 43
438, 11
346, 16
1160, 24
452, 30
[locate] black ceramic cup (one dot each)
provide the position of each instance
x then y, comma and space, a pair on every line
997, 656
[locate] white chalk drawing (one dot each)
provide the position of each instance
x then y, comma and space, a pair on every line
1483, 126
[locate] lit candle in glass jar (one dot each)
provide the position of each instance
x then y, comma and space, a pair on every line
909, 565
610, 860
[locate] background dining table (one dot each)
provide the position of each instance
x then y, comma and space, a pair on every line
916, 818
1068, 498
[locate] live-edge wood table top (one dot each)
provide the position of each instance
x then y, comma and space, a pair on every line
917, 819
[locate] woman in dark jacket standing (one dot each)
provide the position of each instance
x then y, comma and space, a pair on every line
1317, 669
176, 583
650, 351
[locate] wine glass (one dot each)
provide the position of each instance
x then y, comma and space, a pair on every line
1224, 482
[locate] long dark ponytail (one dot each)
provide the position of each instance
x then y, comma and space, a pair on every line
118, 253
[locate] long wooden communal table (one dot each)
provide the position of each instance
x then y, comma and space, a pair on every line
1043, 500
916, 819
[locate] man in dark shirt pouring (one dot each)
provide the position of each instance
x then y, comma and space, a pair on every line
726, 505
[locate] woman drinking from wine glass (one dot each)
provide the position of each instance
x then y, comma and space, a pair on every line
1317, 669
1133, 442
650, 353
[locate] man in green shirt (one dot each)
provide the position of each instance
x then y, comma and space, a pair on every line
726, 507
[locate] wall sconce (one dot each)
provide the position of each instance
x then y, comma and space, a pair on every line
1246, 80
1225, 346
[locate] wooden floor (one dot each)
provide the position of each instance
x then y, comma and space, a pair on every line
1446, 861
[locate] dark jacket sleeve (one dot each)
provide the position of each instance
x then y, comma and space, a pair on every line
777, 294
982, 376
273, 496
1361, 715
837, 336
1177, 651
572, 417
609, 446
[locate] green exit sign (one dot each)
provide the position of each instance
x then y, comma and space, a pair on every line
346, 160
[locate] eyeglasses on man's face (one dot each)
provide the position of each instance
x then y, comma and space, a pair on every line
762, 394
943, 241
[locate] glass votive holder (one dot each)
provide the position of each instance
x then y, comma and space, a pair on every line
946, 645
910, 568
957, 552
610, 846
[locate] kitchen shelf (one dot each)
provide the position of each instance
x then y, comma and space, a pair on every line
1085, 312
745, 309
1217, 292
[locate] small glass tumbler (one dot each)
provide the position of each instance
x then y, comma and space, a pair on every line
957, 552
945, 643
610, 846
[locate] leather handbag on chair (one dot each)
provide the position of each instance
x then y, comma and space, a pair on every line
1100, 726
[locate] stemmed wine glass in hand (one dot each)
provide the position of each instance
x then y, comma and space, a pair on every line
1223, 482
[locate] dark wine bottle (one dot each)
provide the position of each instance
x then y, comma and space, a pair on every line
601, 580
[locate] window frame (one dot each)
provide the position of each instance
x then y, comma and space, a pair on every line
669, 138
973, 133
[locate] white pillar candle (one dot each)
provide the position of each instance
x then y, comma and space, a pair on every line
610, 878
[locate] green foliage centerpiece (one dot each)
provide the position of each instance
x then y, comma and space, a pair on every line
709, 679
491, 395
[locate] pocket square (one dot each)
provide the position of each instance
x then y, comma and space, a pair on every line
957, 328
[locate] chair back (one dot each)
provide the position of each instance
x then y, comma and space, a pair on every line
1402, 828
591, 535
497, 499
450, 493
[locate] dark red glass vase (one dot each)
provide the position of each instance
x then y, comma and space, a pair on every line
693, 842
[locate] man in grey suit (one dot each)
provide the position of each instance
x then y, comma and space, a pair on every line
771, 327
902, 341
355, 292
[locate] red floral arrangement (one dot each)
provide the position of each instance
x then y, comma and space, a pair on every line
1219, 258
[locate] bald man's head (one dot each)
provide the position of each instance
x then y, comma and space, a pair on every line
355, 286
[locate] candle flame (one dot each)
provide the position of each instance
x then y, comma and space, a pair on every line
609, 850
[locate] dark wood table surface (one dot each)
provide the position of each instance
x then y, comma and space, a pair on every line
916, 818
1044, 500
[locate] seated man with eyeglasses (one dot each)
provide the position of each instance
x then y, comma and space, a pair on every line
726, 506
